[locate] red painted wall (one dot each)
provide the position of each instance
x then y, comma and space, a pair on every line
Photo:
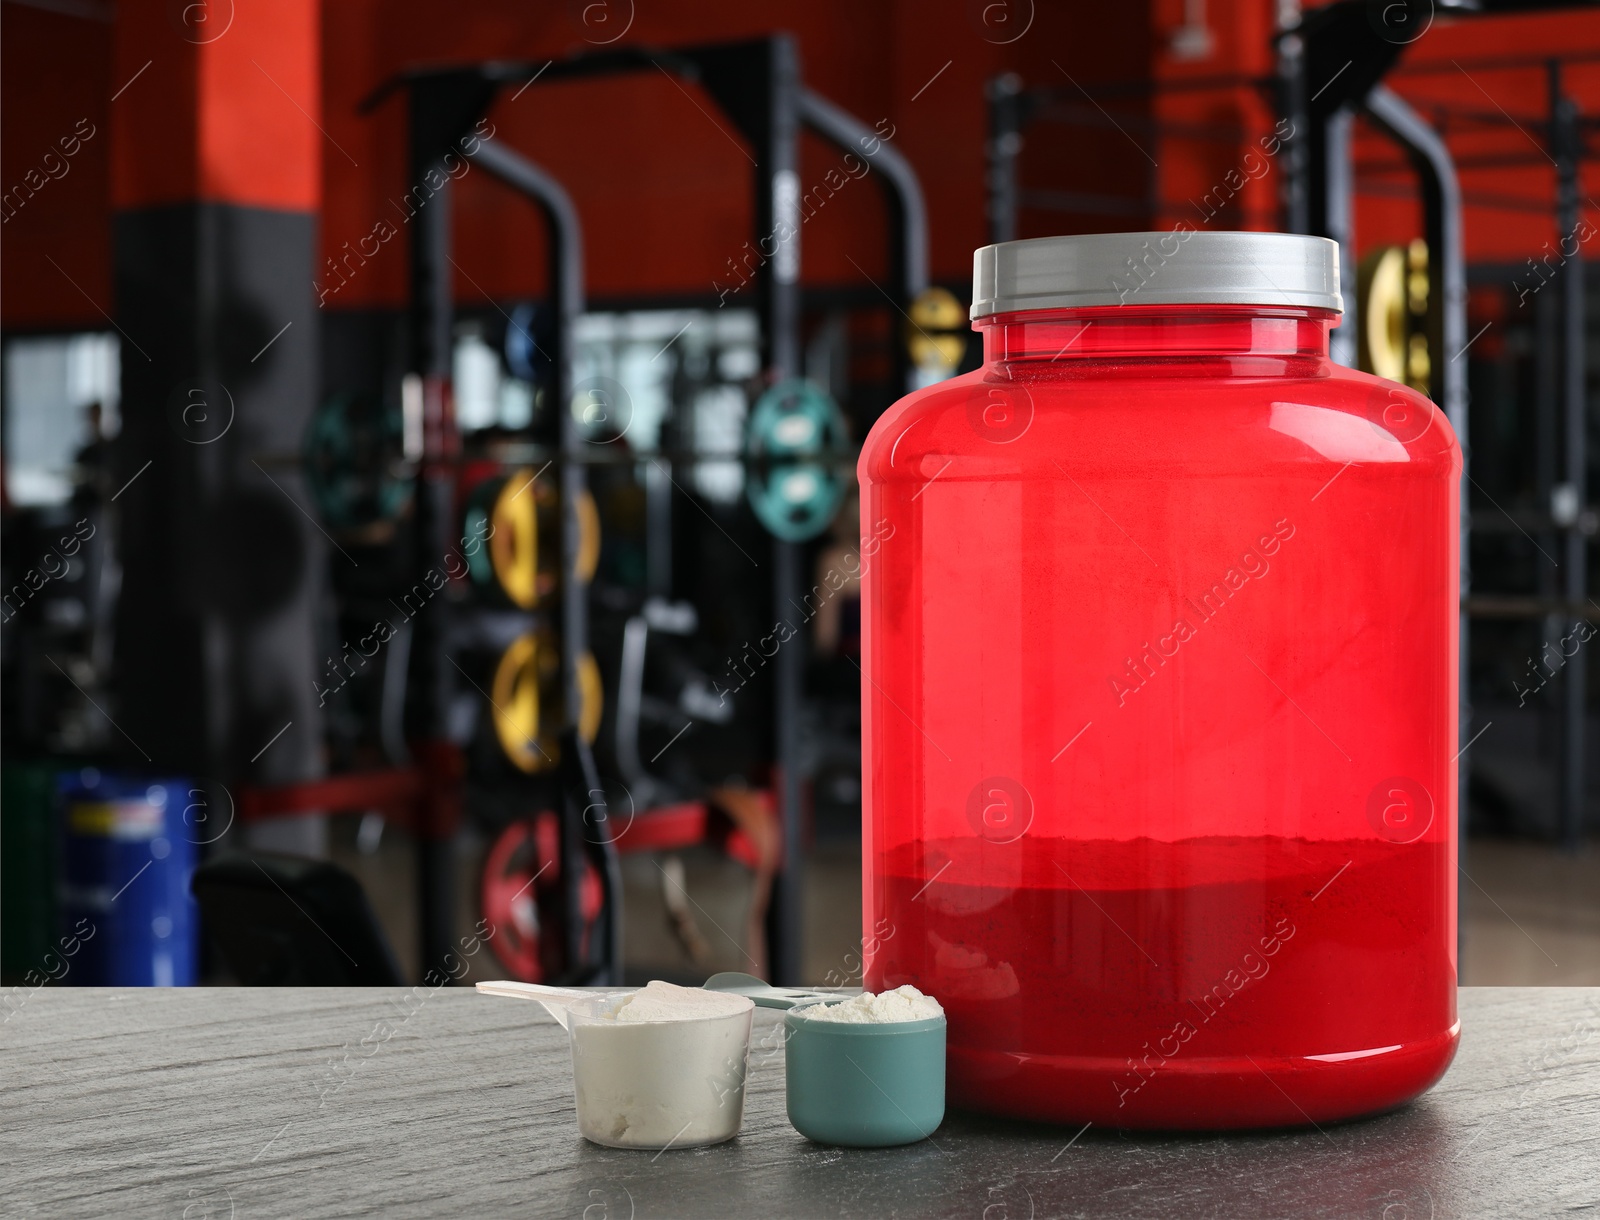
55, 74
1456, 75
1198, 165
663, 192
221, 107
1451, 77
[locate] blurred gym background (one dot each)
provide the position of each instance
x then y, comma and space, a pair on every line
429, 524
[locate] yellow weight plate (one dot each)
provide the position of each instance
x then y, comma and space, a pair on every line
1419, 367
933, 314
588, 537
514, 545
526, 683
937, 309
1383, 319
938, 349
591, 696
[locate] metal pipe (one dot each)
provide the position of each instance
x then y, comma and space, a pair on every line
1340, 219
432, 321
905, 189
579, 774
630, 699
1004, 145
1295, 190
1550, 609
908, 219
566, 244
778, 182
1566, 144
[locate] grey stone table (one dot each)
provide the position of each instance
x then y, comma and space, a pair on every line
221, 1103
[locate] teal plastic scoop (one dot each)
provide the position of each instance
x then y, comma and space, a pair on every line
765, 994
848, 1084
864, 1086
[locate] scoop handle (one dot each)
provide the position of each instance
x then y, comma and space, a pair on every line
554, 999
764, 994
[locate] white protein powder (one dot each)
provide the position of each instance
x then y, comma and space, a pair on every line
663, 1065
668, 1002
902, 1004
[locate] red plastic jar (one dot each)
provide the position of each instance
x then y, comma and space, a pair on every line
1160, 695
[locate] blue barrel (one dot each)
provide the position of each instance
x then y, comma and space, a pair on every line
126, 862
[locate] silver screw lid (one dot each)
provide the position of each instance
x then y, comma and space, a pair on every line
1179, 267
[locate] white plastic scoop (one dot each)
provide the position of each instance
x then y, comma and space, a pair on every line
657, 1067
554, 999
